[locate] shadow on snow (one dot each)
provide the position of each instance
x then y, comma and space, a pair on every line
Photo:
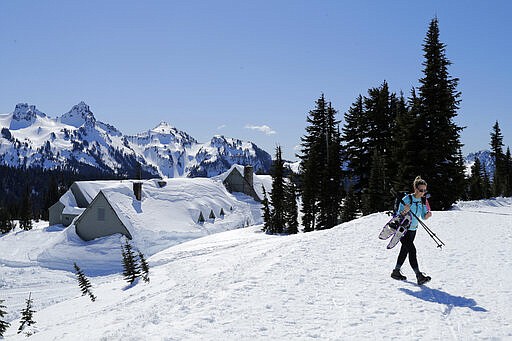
441, 297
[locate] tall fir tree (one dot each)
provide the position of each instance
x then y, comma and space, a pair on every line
321, 169
499, 176
311, 162
3, 324
334, 176
130, 267
437, 133
27, 315
278, 193
84, 283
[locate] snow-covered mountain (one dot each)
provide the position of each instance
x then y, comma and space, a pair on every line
485, 160
76, 140
245, 285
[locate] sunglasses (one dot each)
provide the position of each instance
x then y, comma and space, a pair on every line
422, 190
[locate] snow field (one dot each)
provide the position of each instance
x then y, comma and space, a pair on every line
324, 285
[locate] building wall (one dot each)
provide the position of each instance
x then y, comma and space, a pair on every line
55, 213
99, 220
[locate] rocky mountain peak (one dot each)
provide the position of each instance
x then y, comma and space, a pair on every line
79, 115
24, 115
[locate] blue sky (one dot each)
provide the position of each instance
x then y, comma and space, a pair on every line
247, 69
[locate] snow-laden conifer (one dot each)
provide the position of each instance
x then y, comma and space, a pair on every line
27, 318
84, 283
3, 324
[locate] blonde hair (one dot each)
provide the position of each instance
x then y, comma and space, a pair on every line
419, 181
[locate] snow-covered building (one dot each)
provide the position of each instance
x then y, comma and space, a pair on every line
171, 207
241, 179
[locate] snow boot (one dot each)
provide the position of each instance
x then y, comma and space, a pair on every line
422, 279
397, 275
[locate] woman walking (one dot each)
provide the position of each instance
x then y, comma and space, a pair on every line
417, 204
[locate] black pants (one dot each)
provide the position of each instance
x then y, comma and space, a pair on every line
408, 248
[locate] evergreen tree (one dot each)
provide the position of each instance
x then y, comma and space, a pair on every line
368, 136
406, 149
27, 317
508, 173
350, 206
130, 268
278, 193
26, 211
6, 224
267, 216
84, 283
331, 195
487, 184
144, 267
499, 178
3, 324
437, 133
476, 182
51, 197
312, 160
355, 142
291, 212
321, 169
376, 196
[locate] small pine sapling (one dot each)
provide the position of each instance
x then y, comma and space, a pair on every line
130, 268
84, 283
27, 318
3, 324
144, 267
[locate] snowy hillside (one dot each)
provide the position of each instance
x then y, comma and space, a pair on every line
77, 140
245, 285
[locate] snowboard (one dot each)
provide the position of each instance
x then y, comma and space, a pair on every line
400, 231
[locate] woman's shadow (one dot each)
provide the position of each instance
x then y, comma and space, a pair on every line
441, 297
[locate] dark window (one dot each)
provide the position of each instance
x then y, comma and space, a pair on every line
101, 214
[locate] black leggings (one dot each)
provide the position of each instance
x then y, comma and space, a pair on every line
408, 248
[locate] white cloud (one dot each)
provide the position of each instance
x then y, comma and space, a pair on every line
264, 129
221, 127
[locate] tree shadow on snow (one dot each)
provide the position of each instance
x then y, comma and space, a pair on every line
441, 297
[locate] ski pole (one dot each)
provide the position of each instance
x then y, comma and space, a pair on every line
431, 234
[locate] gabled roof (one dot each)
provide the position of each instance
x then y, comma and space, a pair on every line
172, 211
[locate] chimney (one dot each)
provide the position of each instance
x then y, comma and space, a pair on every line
248, 175
137, 190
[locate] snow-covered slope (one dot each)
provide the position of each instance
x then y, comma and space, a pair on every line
325, 285
77, 140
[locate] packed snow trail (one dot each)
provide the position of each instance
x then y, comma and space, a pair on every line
324, 285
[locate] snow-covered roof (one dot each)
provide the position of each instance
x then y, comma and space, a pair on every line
168, 215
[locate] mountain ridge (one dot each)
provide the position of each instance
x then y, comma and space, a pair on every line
77, 140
